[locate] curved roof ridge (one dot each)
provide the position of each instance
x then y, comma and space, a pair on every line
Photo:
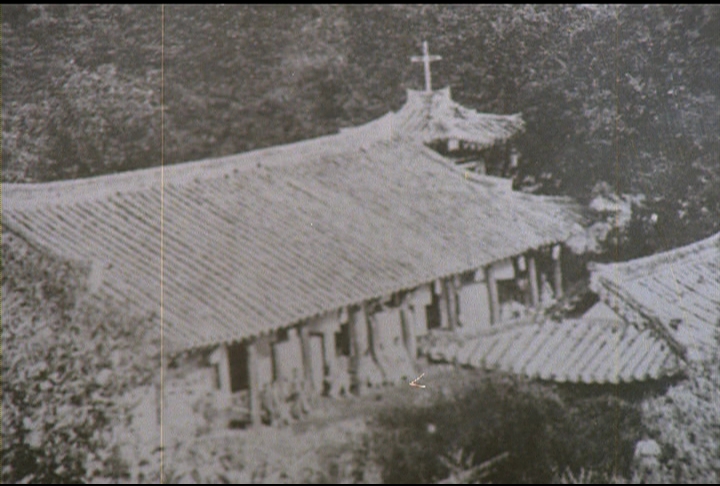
639, 266
434, 116
39, 193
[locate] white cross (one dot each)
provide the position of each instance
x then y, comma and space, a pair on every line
426, 58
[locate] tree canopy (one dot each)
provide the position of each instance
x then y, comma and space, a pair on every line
625, 95
69, 361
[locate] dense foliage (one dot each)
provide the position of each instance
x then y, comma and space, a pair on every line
336, 454
623, 94
686, 423
546, 433
66, 363
618, 96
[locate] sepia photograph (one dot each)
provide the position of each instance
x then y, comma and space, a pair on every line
374, 244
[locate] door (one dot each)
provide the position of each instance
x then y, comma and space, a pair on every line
238, 358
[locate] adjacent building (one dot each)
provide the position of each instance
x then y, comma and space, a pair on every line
654, 316
675, 293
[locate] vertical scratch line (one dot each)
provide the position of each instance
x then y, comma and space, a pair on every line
616, 137
162, 231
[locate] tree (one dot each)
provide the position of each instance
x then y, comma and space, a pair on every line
67, 363
621, 94
685, 423
539, 430
82, 90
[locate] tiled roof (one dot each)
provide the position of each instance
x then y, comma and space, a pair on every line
434, 116
677, 291
259, 241
591, 351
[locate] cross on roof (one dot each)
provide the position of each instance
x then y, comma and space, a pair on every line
426, 59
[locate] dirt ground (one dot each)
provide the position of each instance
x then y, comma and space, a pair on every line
439, 379
324, 446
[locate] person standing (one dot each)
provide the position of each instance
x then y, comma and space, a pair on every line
646, 461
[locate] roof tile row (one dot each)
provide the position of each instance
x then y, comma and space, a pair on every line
587, 351
246, 244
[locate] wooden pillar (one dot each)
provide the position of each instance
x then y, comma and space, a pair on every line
373, 335
450, 288
359, 345
408, 327
557, 272
420, 298
328, 326
441, 292
359, 331
420, 315
220, 357
494, 298
329, 351
306, 355
253, 384
533, 282
514, 158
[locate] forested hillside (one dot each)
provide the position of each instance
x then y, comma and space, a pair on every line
628, 95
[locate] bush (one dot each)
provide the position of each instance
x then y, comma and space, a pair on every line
66, 363
338, 454
546, 433
686, 424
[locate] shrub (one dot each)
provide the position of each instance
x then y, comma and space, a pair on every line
66, 362
543, 431
686, 423
338, 454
